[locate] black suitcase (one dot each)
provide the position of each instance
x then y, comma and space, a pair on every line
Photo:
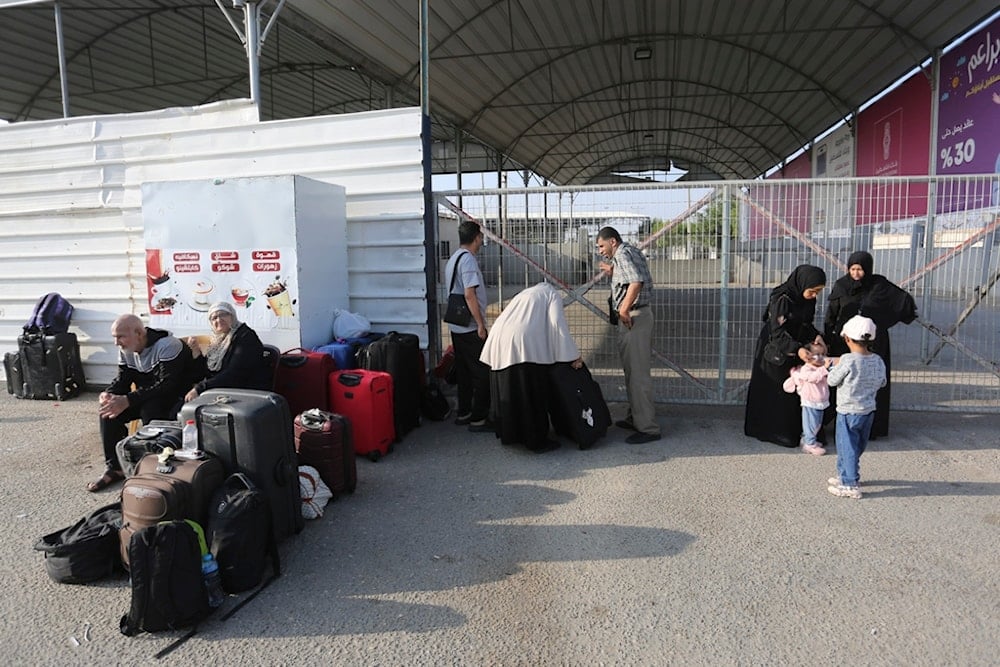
577, 408
15, 375
398, 354
50, 366
251, 431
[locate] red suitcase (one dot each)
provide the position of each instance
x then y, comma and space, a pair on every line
365, 398
302, 377
323, 441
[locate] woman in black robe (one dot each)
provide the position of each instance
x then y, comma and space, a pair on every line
862, 292
772, 414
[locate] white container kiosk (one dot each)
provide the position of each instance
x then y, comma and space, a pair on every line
274, 246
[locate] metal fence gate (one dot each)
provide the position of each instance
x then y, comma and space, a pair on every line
715, 250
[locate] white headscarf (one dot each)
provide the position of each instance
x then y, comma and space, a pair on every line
220, 342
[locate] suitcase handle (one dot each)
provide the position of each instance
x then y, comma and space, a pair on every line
349, 379
313, 419
292, 361
284, 471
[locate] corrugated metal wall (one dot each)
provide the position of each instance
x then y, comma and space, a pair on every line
71, 220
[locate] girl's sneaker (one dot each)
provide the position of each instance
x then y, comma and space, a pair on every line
815, 450
842, 491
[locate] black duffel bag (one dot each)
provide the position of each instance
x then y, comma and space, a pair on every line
86, 551
151, 438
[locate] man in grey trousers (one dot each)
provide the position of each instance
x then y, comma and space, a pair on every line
631, 292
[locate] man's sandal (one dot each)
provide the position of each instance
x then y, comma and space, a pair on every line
107, 479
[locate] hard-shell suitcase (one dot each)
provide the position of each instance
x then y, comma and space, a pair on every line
50, 366
252, 432
14, 373
398, 354
365, 398
177, 489
302, 378
323, 441
577, 408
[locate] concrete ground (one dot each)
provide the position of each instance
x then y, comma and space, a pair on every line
705, 548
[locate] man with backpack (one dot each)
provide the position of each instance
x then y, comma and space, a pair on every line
153, 374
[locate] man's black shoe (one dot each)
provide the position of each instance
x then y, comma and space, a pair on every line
639, 438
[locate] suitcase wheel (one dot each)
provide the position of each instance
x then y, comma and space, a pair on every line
374, 455
60, 394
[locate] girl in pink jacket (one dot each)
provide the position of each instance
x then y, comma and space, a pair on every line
809, 381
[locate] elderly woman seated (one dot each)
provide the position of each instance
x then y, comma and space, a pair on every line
234, 357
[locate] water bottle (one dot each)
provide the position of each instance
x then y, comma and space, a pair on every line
213, 582
189, 437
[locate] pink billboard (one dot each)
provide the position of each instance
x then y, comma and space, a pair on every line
775, 205
894, 140
968, 130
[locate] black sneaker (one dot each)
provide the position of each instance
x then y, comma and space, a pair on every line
463, 420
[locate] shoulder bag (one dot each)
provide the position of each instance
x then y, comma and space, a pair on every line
457, 312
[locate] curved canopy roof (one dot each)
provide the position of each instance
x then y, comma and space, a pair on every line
575, 90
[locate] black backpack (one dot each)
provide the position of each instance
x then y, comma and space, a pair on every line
433, 403
51, 315
87, 550
241, 534
168, 590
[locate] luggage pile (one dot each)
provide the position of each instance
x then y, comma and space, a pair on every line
374, 381
190, 529
187, 519
47, 363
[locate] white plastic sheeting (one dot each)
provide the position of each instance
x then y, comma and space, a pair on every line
71, 220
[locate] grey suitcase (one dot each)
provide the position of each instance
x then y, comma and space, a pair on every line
252, 432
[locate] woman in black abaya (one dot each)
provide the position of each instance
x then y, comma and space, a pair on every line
862, 292
773, 415
527, 339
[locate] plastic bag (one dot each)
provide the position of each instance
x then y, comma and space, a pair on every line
349, 325
314, 491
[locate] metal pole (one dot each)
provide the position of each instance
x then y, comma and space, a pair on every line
251, 23
928, 286
425, 90
63, 81
430, 208
724, 292
458, 162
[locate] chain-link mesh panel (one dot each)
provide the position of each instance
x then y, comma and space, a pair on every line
716, 250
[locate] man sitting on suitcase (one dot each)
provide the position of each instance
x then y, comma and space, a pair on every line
153, 374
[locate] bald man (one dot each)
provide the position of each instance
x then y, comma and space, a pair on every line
159, 366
